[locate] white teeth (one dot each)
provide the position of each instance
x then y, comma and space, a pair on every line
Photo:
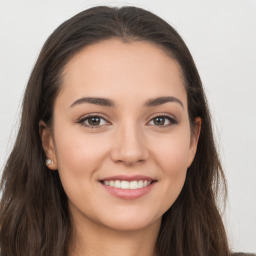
140, 184
106, 182
124, 184
117, 184
135, 184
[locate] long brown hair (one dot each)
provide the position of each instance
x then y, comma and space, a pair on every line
34, 217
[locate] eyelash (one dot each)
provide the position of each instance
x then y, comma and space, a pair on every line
168, 117
86, 118
82, 121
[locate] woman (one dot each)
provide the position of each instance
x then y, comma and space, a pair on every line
115, 153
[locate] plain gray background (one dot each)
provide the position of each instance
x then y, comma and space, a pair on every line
221, 36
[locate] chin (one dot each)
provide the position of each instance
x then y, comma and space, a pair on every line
131, 223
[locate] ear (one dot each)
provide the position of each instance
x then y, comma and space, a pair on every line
196, 129
48, 144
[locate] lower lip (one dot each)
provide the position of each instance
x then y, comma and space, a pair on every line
129, 194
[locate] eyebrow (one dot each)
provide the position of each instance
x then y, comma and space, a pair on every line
163, 100
110, 103
94, 100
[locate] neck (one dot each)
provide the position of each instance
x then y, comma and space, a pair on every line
91, 239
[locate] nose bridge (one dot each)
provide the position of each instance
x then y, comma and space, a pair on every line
130, 145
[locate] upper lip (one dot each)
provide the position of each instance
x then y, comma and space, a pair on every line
128, 178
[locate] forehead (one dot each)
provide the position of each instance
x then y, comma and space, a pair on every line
113, 68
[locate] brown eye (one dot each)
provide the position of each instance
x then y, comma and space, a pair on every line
162, 121
159, 120
93, 121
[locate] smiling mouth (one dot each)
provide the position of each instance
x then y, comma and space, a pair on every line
128, 187
124, 184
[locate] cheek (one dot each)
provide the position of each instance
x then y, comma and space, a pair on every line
174, 166
79, 156
172, 156
78, 152
173, 152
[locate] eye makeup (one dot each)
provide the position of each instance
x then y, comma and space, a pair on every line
96, 120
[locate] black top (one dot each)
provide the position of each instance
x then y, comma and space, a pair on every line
243, 254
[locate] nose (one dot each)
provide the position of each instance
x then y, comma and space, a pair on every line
129, 146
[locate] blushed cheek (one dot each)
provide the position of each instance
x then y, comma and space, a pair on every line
77, 161
174, 159
175, 175
77, 154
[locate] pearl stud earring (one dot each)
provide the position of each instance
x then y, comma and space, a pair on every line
49, 161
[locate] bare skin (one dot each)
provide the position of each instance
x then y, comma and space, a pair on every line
121, 116
99, 241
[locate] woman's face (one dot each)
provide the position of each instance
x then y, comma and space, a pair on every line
121, 137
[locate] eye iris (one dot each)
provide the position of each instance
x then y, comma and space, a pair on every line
94, 120
159, 120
